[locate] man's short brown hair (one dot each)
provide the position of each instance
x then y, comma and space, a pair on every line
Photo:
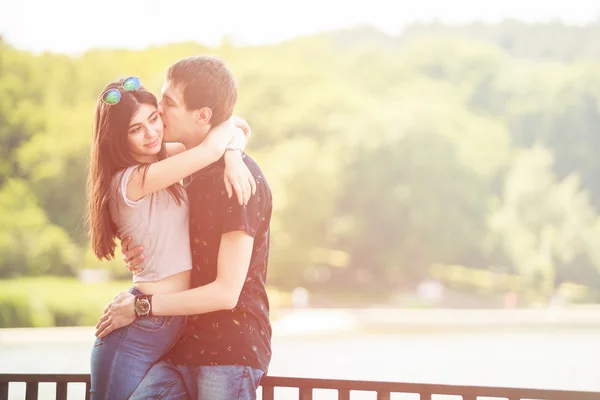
206, 82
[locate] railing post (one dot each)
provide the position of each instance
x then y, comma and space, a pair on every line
268, 393
31, 391
306, 393
306, 387
61, 390
88, 386
383, 395
3, 390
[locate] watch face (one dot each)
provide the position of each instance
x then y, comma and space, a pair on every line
142, 307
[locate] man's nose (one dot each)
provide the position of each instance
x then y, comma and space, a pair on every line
160, 108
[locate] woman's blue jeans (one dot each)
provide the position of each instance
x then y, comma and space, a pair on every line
120, 360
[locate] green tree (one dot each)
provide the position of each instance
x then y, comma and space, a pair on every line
544, 224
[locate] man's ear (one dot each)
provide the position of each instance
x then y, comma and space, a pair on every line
203, 115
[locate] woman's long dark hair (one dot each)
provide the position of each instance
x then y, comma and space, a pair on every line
110, 153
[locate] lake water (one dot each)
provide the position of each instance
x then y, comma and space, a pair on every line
566, 358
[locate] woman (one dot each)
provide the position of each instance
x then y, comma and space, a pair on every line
134, 189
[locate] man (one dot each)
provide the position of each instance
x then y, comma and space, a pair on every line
226, 347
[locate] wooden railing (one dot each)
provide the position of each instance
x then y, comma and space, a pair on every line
306, 386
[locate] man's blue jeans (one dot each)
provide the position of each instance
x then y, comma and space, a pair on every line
120, 360
180, 382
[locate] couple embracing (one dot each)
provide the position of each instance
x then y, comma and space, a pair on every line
171, 179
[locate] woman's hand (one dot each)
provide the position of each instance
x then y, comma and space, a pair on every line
238, 177
243, 125
234, 131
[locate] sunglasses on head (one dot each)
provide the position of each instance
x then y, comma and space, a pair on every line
113, 96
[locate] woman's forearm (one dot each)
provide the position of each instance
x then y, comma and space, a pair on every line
238, 142
165, 173
239, 139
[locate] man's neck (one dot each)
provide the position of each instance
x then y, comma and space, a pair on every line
195, 139
192, 142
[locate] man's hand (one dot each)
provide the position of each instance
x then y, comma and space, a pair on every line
133, 258
119, 313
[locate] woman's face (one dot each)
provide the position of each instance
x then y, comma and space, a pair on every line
145, 135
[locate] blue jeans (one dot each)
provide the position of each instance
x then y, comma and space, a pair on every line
120, 360
180, 382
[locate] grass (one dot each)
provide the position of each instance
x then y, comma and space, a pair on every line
56, 301
66, 301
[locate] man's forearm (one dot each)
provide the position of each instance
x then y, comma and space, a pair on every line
234, 257
201, 300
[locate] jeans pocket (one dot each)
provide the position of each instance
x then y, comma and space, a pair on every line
150, 324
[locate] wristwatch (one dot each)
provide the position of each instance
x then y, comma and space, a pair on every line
143, 305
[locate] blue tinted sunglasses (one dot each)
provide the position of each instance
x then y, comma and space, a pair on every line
113, 96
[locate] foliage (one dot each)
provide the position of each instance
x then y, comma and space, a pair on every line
63, 301
464, 145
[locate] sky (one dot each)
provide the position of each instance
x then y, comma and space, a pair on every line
73, 26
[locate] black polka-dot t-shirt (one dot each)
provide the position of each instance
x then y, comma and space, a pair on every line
241, 336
